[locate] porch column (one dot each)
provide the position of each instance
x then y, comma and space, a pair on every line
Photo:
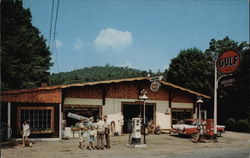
9, 113
60, 121
196, 112
9, 117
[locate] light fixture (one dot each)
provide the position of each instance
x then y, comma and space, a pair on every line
143, 97
199, 101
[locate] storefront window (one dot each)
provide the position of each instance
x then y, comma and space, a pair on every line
40, 119
180, 115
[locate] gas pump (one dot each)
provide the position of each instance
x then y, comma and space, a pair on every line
136, 131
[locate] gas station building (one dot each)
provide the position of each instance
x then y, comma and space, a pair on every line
46, 107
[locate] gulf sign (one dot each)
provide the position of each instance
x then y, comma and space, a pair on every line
228, 61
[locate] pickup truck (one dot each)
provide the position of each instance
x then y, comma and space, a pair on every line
190, 128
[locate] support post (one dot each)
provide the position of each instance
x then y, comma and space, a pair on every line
60, 121
9, 113
199, 113
144, 123
9, 117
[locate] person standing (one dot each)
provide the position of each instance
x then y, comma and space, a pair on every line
129, 130
91, 133
100, 134
26, 132
82, 134
107, 131
112, 128
91, 137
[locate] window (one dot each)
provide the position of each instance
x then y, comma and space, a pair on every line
179, 115
41, 119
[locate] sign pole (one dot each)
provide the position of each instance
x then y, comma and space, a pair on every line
215, 97
227, 63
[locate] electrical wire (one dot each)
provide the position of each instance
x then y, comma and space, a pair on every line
51, 21
54, 49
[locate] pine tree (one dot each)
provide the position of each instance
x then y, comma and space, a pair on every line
25, 58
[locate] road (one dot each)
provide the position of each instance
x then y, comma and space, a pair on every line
231, 145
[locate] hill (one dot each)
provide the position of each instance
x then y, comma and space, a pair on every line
95, 73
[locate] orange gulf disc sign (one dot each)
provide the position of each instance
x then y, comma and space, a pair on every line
228, 61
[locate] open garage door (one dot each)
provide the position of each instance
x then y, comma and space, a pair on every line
136, 110
83, 110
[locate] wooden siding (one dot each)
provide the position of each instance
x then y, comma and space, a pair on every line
90, 92
51, 96
127, 90
182, 97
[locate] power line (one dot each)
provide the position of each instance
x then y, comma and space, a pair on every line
51, 20
54, 49
56, 16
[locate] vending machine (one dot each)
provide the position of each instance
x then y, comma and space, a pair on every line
136, 131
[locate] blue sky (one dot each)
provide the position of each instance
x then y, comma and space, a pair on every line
142, 34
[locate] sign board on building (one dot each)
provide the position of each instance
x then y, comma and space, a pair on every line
228, 62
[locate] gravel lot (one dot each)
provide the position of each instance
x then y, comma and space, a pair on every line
231, 145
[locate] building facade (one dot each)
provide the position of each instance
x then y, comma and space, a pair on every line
46, 107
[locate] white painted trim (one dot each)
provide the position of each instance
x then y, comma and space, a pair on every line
60, 121
82, 101
182, 105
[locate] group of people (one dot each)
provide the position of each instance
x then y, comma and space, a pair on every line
90, 132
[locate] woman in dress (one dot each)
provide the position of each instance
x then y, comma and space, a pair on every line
26, 132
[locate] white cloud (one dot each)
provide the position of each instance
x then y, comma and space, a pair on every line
113, 39
78, 44
59, 44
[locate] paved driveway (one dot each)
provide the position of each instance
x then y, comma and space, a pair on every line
232, 145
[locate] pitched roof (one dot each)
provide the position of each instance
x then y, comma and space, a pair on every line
185, 89
47, 88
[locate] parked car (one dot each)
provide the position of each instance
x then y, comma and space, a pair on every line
190, 127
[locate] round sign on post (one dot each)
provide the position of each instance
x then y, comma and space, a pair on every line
228, 61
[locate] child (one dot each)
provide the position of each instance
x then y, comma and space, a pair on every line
26, 133
82, 134
92, 135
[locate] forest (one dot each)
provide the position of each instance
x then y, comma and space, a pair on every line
96, 73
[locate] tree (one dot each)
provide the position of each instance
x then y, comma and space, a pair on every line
25, 58
195, 70
192, 69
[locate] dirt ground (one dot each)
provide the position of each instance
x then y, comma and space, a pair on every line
231, 145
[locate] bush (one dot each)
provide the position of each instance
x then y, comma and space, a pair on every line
242, 125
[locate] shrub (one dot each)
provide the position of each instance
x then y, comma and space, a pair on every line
242, 125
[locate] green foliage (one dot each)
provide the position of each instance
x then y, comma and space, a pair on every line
242, 125
195, 70
95, 73
191, 69
216, 47
25, 58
